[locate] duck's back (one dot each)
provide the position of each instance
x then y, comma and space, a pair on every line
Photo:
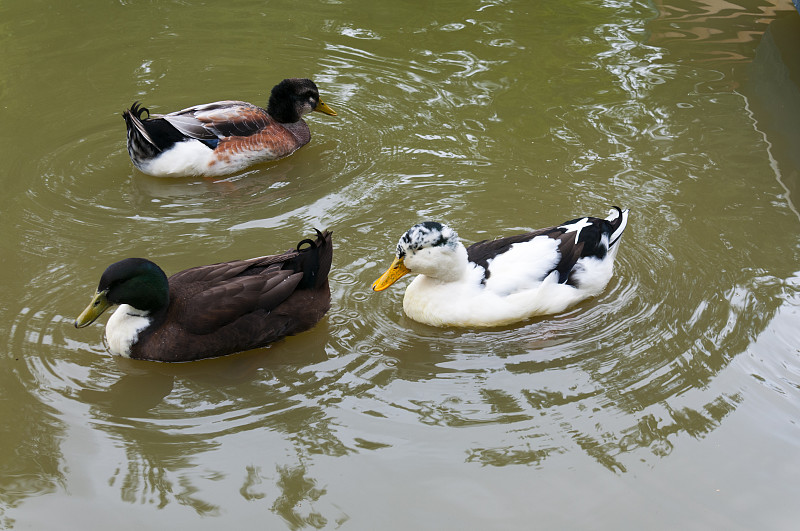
240, 133
224, 308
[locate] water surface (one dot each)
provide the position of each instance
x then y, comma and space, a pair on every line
669, 401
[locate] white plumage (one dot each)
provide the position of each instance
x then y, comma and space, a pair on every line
123, 328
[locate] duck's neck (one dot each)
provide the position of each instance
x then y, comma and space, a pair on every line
443, 265
124, 328
284, 111
300, 130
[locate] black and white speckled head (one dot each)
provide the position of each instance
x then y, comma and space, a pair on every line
428, 249
424, 235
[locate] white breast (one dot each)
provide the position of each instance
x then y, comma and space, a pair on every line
123, 328
459, 304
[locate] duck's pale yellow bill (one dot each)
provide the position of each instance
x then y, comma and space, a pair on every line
323, 108
98, 305
392, 275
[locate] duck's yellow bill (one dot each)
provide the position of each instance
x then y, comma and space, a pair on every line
323, 108
392, 275
98, 305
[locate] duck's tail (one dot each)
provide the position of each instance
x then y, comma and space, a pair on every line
141, 146
619, 220
315, 260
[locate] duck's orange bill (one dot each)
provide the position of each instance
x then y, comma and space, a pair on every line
323, 108
392, 275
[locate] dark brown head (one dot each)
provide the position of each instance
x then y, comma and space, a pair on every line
292, 98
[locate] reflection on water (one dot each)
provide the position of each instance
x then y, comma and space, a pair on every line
482, 123
717, 23
30, 462
773, 90
165, 417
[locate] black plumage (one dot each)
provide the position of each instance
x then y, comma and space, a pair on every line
147, 137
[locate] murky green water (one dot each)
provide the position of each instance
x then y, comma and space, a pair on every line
670, 401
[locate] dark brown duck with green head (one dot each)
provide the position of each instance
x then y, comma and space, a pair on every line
212, 310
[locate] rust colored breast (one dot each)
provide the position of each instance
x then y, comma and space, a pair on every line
271, 142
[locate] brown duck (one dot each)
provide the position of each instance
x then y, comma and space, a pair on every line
212, 310
225, 136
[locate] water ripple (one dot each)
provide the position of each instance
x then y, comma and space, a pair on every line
419, 135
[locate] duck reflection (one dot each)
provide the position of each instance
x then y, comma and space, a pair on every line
30, 464
651, 432
295, 497
168, 415
773, 89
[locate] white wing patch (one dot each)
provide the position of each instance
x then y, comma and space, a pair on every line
523, 266
577, 227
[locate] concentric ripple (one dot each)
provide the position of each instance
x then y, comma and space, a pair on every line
460, 114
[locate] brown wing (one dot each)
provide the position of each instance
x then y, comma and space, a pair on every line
220, 119
209, 297
213, 308
230, 307
226, 270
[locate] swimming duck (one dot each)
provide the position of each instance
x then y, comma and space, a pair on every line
212, 310
502, 281
225, 136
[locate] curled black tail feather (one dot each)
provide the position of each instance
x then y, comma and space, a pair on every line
141, 145
311, 243
148, 137
138, 110
315, 260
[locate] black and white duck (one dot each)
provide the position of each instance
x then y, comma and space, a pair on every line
503, 281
